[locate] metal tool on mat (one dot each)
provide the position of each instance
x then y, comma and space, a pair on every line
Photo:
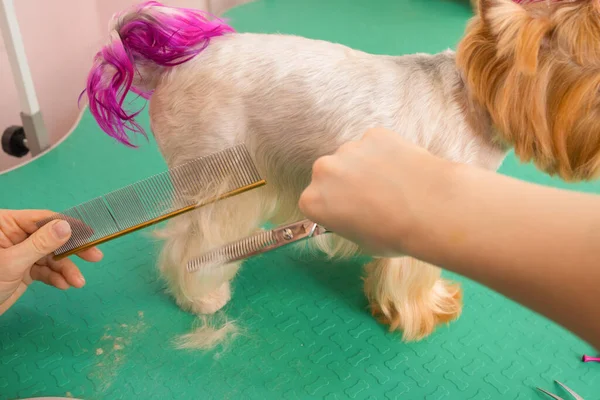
158, 198
258, 243
566, 388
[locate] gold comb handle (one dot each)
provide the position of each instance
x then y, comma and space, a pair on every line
154, 221
157, 198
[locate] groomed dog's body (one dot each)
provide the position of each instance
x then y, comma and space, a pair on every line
292, 100
302, 99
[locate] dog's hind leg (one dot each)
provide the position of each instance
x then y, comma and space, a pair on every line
410, 295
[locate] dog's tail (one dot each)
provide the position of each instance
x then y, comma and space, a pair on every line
144, 41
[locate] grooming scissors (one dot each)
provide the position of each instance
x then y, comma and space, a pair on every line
258, 243
566, 388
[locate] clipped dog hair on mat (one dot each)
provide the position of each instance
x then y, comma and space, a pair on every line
209, 332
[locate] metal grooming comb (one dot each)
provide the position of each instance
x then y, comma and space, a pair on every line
158, 198
258, 243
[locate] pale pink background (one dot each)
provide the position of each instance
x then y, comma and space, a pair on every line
61, 38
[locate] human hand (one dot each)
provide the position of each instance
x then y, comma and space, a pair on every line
25, 254
374, 191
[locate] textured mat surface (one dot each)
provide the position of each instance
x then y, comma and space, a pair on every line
307, 331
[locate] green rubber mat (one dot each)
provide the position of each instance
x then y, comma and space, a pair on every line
307, 331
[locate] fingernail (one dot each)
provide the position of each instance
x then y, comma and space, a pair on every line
81, 280
62, 229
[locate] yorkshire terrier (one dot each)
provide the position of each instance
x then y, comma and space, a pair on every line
525, 76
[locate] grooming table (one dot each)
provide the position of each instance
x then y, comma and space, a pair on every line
34, 130
307, 330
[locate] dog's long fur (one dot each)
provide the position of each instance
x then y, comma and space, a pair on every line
519, 78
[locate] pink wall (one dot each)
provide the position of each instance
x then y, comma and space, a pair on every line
61, 38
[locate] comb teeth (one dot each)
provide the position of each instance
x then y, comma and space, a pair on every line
233, 251
157, 198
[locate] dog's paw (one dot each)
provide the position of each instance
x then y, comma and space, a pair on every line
418, 317
209, 303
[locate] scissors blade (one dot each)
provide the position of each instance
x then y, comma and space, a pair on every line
555, 397
259, 243
566, 388
571, 392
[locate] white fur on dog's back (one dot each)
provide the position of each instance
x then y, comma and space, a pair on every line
324, 91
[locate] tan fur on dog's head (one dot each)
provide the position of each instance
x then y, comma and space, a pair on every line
535, 67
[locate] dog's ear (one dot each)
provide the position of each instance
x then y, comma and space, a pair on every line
519, 33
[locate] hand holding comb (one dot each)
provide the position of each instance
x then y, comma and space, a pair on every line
158, 198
